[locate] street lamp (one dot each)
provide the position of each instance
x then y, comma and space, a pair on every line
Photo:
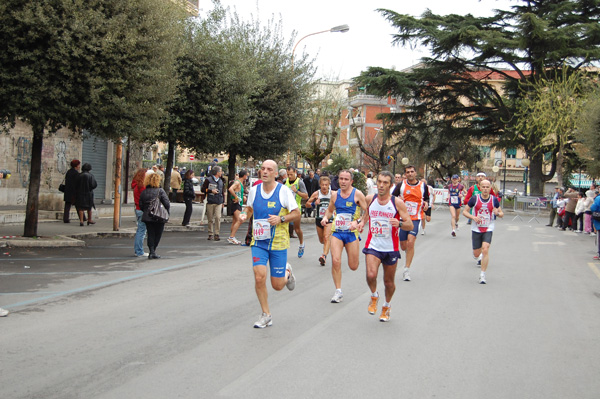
341, 28
405, 161
526, 162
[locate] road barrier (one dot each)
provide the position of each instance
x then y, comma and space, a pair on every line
529, 207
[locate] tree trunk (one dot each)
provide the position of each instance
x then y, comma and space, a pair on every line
126, 177
230, 179
118, 168
169, 168
536, 175
33, 199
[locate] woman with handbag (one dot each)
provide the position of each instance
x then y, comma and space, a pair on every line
155, 206
69, 188
188, 196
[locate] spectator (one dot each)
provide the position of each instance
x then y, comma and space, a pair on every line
596, 208
371, 187
188, 196
579, 212
311, 182
138, 186
589, 200
215, 196
175, 182
84, 193
554, 205
155, 228
70, 182
569, 218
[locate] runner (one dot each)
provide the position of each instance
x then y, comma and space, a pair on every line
273, 207
426, 214
236, 191
347, 226
387, 214
485, 208
294, 183
474, 190
320, 199
416, 198
457, 192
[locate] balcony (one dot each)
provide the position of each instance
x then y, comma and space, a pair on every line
356, 121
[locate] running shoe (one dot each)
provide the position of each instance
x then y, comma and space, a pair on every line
322, 260
234, 241
596, 257
406, 274
482, 278
423, 232
337, 297
3, 312
291, 283
300, 251
265, 321
385, 313
478, 262
373, 305
453, 233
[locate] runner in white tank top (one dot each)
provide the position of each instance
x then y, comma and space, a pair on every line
320, 200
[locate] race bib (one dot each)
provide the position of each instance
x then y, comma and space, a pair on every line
454, 200
485, 220
261, 229
411, 207
322, 211
381, 228
342, 221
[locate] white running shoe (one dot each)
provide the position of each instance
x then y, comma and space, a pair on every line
234, 241
453, 233
406, 274
265, 321
337, 297
423, 232
3, 312
482, 278
291, 283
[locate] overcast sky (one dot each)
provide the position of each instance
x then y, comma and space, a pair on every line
368, 43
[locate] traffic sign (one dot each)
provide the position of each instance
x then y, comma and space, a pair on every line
191, 157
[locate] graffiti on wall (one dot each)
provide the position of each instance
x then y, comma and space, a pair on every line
23, 160
61, 157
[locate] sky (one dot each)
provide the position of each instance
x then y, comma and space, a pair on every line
341, 56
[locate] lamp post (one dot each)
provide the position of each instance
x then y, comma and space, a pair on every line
341, 28
526, 162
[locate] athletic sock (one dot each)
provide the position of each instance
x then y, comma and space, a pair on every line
375, 294
387, 304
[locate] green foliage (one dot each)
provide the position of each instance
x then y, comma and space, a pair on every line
588, 133
360, 182
339, 162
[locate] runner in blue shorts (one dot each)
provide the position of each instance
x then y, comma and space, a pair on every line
273, 206
456, 193
387, 215
346, 203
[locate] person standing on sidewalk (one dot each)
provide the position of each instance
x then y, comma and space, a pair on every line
138, 186
554, 208
273, 206
70, 188
84, 193
215, 196
569, 218
596, 208
155, 228
188, 196
175, 182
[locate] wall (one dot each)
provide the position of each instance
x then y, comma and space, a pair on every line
15, 155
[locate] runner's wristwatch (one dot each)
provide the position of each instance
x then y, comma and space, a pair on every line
282, 219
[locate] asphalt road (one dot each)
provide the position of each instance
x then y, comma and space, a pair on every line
95, 322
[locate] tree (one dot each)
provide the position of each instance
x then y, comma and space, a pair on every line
588, 132
100, 65
527, 42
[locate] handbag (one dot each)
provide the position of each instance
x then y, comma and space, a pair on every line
157, 212
596, 216
61, 186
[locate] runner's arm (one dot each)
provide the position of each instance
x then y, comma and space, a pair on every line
497, 209
312, 199
467, 209
360, 199
231, 190
407, 223
330, 208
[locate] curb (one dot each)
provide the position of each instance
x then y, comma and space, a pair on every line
43, 242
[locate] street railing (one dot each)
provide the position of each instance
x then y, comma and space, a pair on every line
529, 207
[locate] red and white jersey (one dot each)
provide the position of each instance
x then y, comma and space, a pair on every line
413, 198
383, 237
485, 210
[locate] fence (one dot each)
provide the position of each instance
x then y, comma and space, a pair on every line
529, 207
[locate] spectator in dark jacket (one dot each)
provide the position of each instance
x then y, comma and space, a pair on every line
215, 195
155, 228
70, 187
188, 196
312, 184
84, 193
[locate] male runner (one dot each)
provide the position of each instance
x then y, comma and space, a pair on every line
320, 200
387, 214
273, 206
346, 228
416, 198
426, 214
294, 183
457, 192
485, 208
474, 190
236, 191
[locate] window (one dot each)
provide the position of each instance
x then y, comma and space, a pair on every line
511, 153
484, 151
